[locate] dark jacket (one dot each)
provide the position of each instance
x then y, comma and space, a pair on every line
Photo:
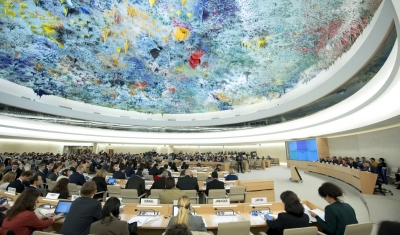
119, 175
42, 175
17, 171
231, 177
159, 183
187, 183
129, 171
101, 183
337, 216
286, 221
83, 212
77, 179
53, 176
113, 227
214, 184
72, 169
153, 171
18, 185
136, 182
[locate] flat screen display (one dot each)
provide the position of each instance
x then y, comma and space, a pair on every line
303, 150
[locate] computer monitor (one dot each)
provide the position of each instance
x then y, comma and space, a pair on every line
175, 210
111, 180
63, 207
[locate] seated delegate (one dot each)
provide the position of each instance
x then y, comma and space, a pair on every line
62, 188
83, 212
337, 214
214, 183
232, 175
293, 217
171, 192
136, 182
195, 223
110, 224
21, 217
77, 177
180, 229
188, 182
100, 180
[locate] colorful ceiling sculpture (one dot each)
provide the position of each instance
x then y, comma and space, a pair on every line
174, 56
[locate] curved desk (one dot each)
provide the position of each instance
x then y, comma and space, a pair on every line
362, 180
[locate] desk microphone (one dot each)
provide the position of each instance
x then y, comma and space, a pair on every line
145, 212
223, 213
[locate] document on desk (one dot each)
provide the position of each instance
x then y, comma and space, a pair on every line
141, 220
44, 212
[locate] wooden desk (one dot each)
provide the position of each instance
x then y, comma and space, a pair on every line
258, 188
362, 180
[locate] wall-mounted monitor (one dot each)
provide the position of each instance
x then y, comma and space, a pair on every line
302, 150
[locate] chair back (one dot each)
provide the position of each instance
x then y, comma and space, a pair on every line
251, 162
148, 177
192, 194
42, 233
27, 167
393, 170
358, 229
237, 193
155, 193
50, 184
301, 231
233, 163
114, 190
130, 196
384, 176
202, 177
73, 189
216, 193
237, 228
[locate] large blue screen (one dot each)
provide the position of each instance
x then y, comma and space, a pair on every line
303, 150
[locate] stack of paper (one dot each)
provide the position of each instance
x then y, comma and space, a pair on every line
321, 214
306, 209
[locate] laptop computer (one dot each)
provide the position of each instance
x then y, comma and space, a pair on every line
111, 180
63, 207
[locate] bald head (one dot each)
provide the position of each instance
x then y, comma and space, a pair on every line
187, 172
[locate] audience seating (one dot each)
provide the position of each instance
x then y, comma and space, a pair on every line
359, 229
240, 227
237, 193
131, 196
251, 164
114, 190
214, 194
382, 179
192, 194
73, 189
202, 177
155, 193
257, 164
50, 184
233, 164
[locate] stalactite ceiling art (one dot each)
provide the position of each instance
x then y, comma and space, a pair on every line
174, 56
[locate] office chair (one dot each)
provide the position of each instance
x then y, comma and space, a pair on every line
239, 228
382, 179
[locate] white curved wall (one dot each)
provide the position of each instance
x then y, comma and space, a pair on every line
323, 84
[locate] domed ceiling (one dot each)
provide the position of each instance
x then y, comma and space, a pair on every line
174, 56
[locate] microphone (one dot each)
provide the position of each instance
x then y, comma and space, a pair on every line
223, 213
146, 212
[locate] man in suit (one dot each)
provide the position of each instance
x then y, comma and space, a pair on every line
184, 168
77, 177
160, 183
215, 183
83, 212
73, 166
171, 193
15, 169
54, 175
120, 174
239, 161
187, 182
18, 183
136, 182
40, 171
35, 182
129, 171
154, 170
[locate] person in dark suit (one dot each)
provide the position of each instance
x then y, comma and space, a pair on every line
215, 183
184, 168
77, 177
239, 160
73, 166
136, 182
188, 182
370, 168
18, 183
129, 171
154, 171
160, 183
34, 182
40, 171
293, 217
15, 169
54, 175
337, 214
48, 168
109, 224
83, 212
101, 183
120, 174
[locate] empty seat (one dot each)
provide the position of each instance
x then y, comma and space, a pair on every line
251, 164
215, 194
237, 228
358, 229
233, 164
114, 190
301, 231
393, 172
257, 164
192, 194
50, 184
237, 193
131, 196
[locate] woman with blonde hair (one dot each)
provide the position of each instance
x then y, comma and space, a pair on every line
7, 179
100, 180
195, 223
232, 175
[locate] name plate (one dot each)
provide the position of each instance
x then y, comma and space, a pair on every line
73, 197
259, 200
221, 201
12, 190
52, 195
147, 201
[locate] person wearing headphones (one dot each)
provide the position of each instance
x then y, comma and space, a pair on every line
195, 223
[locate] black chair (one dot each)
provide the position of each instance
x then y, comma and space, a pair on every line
382, 179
